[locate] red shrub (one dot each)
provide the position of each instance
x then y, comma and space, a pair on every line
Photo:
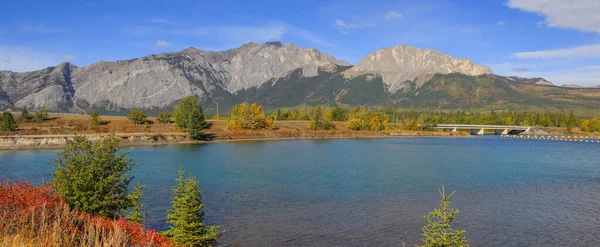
36, 216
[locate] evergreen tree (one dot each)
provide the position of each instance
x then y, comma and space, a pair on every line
186, 218
571, 122
41, 114
438, 232
189, 115
164, 117
135, 214
92, 176
25, 115
182, 114
95, 118
197, 125
8, 122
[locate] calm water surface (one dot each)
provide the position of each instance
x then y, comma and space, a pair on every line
372, 192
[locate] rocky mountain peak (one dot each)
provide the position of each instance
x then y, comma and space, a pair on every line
402, 62
274, 43
571, 86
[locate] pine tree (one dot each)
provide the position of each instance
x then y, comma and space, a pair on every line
135, 214
182, 114
438, 232
25, 115
571, 122
41, 114
95, 118
8, 122
186, 218
164, 117
197, 124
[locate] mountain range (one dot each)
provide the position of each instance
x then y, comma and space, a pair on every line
284, 75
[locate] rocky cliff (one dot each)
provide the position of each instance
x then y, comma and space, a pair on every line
281, 75
403, 63
158, 81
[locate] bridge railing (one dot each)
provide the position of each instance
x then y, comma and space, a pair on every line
477, 126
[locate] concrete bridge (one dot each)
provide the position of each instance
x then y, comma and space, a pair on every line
480, 129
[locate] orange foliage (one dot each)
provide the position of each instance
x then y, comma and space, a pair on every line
37, 216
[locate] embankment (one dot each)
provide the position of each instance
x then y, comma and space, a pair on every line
59, 141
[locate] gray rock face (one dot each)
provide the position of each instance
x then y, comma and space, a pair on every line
571, 86
537, 80
51, 87
157, 81
405, 63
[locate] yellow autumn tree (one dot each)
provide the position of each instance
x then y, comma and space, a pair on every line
363, 119
251, 117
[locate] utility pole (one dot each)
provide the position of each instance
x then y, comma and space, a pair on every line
217, 110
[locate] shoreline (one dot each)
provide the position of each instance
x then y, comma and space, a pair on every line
50, 142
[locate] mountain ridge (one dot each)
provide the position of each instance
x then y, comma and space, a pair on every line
276, 74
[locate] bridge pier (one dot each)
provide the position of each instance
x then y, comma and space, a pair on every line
480, 129
478, 132
501, 132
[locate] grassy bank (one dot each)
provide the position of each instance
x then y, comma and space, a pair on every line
53, 132
69, 125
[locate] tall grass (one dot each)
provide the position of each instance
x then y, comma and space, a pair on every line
37, 216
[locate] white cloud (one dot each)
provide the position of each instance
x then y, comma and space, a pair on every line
581, 51
576, 14
344, 27
69, 57
574, 77
233, 35
500, 23
22, 59
591, 67
162, 43
392, 15
160, 20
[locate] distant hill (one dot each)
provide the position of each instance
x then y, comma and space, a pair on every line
284, 75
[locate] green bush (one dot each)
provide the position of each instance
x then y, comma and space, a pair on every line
164, 117
93, 177
137, 116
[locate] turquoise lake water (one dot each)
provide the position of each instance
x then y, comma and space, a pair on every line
372, 192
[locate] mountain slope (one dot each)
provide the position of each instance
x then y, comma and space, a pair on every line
158, 81
277, 75
404, 63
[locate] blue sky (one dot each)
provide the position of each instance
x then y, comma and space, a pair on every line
555, 39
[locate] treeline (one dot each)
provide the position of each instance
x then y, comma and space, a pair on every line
402, 116
9, 122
